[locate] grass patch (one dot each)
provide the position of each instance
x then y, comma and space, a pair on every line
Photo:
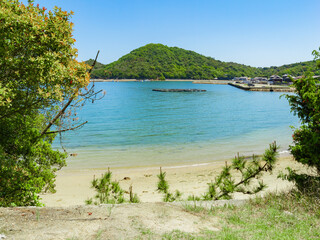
144, 232
99, 234
195, 208
284, 216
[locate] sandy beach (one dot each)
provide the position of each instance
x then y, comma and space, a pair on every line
73, 185
66, 216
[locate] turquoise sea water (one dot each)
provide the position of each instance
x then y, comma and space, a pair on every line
134, 126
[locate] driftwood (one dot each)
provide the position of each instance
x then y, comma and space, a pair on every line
179, 90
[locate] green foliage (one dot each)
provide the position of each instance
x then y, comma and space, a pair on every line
306, 149
163, 187
316, 55
39, 74
109, 192
157, 61
225, 183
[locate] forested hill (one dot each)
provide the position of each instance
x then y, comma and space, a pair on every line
157, 61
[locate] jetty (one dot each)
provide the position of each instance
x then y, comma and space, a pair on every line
178, 90
263, 88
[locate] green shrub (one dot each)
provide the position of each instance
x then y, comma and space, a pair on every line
306, 139
109, 192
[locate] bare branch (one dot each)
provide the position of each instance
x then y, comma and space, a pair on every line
59, 113
67, 104
94, 62
64, 130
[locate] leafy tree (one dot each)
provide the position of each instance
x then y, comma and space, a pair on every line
41, 86
306, 149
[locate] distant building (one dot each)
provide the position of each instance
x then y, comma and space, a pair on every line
244, 80
286, 78
260, 80
275, 79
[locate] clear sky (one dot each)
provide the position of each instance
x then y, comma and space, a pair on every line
259, 33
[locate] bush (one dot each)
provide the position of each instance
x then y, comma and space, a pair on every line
306, 139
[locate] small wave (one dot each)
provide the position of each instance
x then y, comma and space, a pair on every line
193, 165
284, 152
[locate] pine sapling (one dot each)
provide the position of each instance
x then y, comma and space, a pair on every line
163, 187
225, 184
108, 191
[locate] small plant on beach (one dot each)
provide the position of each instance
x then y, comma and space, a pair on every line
163, 187
133, 197
225, 184
109, 192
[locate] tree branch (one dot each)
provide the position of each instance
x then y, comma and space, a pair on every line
94, 62
64, 130
59, 113
242, 181
67, 104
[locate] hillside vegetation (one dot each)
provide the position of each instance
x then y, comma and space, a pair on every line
157, 61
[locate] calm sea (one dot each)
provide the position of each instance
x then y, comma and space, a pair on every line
134, 126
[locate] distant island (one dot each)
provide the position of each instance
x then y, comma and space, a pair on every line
160, 62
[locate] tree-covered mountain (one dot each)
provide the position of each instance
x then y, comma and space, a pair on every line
157, 61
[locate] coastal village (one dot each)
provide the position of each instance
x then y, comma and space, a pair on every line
274, 84
286, 79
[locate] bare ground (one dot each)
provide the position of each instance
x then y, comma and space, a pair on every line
125, 221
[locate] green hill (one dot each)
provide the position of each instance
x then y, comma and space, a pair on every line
157, 61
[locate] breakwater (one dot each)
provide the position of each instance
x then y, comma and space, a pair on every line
263, 88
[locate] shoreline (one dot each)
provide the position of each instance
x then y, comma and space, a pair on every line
256, 88
73, 185
198, 81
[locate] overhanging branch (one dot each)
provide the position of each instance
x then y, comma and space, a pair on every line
64, 130
67, 104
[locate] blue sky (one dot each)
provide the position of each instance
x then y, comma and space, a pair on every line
252, 32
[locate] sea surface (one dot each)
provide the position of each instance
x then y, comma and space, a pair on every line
135, 126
